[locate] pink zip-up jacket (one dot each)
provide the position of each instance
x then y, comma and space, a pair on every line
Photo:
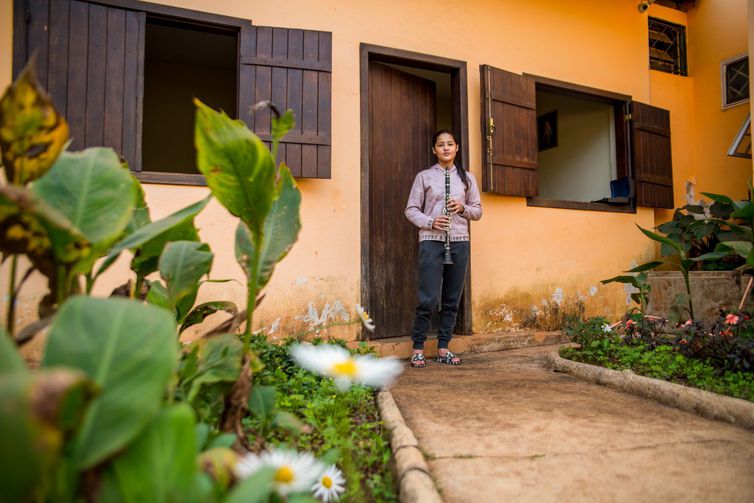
427, 200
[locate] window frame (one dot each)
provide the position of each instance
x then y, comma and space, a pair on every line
27, 25
620, 102
683, 65
724, 84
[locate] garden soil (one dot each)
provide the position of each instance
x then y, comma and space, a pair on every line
503, 427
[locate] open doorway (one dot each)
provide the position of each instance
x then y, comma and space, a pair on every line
405, 98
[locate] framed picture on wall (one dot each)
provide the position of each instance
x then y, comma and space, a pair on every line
547, 130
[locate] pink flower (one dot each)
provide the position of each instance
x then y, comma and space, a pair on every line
727, 332
630, 323
683, 341
731, 319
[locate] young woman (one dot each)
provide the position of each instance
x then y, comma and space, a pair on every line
426, 210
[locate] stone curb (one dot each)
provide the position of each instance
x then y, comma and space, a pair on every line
414, 479
705, 403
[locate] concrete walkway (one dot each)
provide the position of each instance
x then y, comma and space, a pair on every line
502, 427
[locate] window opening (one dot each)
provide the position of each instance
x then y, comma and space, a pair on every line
735, 81
578, 149
741, 146
667, 47
183, 61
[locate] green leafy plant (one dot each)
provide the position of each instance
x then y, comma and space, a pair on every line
118, 411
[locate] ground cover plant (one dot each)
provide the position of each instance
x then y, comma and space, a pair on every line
716, 357
119, 409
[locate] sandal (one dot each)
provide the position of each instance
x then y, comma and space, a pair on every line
418, 361
449, 359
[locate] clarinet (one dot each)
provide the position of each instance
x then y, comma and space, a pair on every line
447, 259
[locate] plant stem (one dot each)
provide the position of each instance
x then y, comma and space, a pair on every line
89, 282
11, 320
137, 287
688, 291
60, 284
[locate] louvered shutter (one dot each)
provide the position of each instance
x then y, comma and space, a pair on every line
650, 154
509, 132
292, 68
90, 58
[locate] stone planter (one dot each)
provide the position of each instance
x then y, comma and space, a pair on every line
710, 291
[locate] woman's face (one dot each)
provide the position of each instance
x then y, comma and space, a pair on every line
445, 148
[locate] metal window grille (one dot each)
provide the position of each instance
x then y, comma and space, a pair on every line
735, 81
667, 47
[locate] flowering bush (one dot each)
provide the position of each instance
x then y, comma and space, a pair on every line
717, 356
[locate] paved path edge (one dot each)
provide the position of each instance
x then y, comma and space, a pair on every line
704, 403
415, 482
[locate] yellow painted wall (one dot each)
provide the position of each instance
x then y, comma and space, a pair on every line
717, 31
523, 258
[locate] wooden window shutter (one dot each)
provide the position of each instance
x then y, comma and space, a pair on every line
90, 58
650, 154
291, 68
509, 132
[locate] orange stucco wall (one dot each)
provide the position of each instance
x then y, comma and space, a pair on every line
523, 257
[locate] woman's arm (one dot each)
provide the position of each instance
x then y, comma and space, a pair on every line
415, 205
473, 203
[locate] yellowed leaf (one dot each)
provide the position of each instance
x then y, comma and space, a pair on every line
32, 132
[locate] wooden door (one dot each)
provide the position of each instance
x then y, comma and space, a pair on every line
402, 117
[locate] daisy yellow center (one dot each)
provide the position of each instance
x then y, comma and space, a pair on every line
346, 368
327, 482
284, 475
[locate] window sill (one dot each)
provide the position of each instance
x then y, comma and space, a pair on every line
579, 205
170, 178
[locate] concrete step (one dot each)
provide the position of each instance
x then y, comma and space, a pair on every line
476, 343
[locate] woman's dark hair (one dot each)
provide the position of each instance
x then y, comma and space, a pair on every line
461, 171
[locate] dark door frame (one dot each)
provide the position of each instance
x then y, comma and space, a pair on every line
457, 70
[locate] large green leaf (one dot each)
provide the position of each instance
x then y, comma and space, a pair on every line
32, 133
262, 401
160, 465
255, 489
158, 295
217, 360
129, 350
182, 265
95, 193
631, 280
744, 211
23, 459
30, 226
140, 217
200, 312
93, 190
10, 359
647, 267
719, 198
150, 239
280, 232
662, 239
39, 411
239, 169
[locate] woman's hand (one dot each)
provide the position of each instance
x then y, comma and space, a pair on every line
441, 223
456, 207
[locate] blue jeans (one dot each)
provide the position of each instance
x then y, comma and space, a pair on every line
439, 282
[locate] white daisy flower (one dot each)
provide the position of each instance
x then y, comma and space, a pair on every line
365, 318
295, 472
337, 362
606, 328
330, 485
